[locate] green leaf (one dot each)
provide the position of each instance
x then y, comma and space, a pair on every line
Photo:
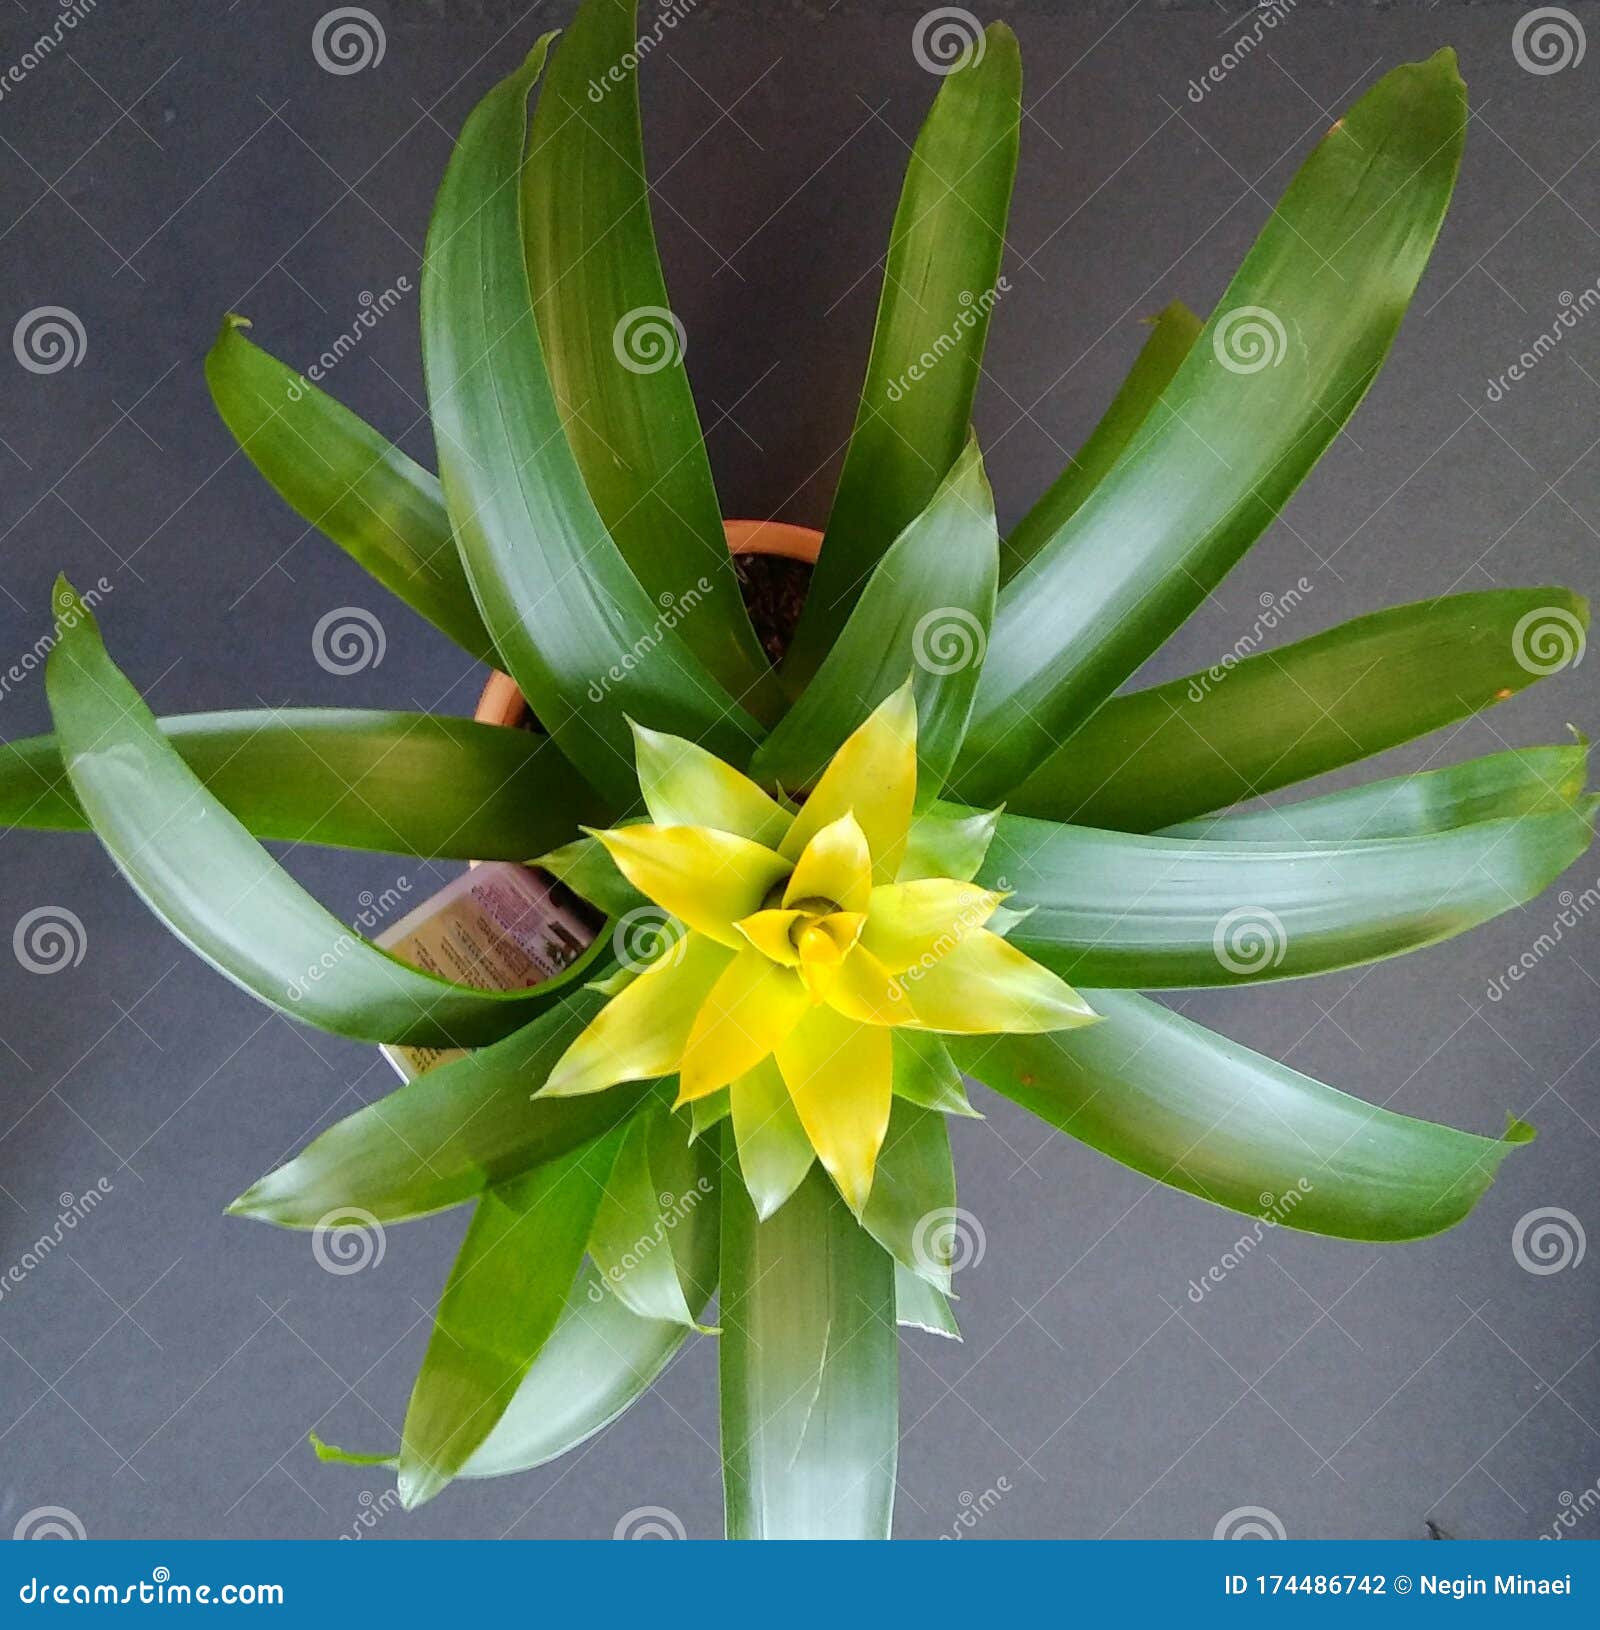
941, 280
774, 1152
339, 475
1172, 332
586, 867
615, 352
925, 611
925, 1074
913, 1187
1118, 909
449, 1134
578, 632
809, 1370
223, 895
947, 841
1203, 1114
1524, 781
1210, 739
503, 1301
918, 1306
1289, 351
656, 1192
403, 783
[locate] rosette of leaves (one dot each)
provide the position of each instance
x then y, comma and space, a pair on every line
574, 497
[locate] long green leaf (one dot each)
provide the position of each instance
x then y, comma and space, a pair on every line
1524, 781
1203, 1114
503, 1301
1173, 332
583, 640
1289, 351
925, 611
447, 1135
1111, 908
1210, 739
809, 1370
339, 475
940, 282
223, 895
614, 349
404, 783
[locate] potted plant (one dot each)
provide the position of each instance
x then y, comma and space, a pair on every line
820, 919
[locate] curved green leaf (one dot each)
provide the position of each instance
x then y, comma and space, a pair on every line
924, 611
584, 641
223, 895
915, 1180
339, 475
1111, 908
1172, 332
1210, 739
809, 1370
925, 1074
940, 282
1203, 1114
1289, 351
404, 783
614, 349
449, 1134
503, 1300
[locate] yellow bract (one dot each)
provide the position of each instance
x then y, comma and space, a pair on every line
804, 946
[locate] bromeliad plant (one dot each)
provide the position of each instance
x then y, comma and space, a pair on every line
846, 923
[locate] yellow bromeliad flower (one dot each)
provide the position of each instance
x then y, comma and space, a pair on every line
806, 938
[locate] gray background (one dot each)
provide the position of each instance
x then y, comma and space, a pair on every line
158, 1375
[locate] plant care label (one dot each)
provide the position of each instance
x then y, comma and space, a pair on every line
500, 926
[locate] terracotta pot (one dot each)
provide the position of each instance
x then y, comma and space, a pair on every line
501, 701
